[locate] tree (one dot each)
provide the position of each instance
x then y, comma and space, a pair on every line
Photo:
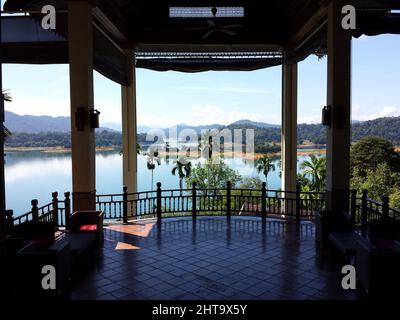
183, 169
381, 182
152, 161
206, 143
265, 166
395, 199
369, 152
253, 183
7, 98
375, 167
315, 167
303, 182
213, 175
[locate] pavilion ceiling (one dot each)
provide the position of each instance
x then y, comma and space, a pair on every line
274, 22
269, 27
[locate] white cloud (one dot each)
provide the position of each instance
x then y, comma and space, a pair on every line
156, 121
111, 113
387, 111
309, 119
228, 89
355, 108
363, 37
200, 115
210, 114
39, 106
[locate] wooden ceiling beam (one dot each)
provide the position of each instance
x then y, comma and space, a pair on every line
312, 23
111, 20
174, 47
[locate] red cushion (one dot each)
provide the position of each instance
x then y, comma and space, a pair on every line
88, 227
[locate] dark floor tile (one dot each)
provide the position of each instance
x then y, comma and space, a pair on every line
246, 263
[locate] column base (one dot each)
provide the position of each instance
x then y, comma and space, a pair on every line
83, 201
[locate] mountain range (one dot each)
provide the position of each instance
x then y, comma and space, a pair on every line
388, 128
36, 124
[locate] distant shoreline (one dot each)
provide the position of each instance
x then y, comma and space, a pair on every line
313, 149
52, 149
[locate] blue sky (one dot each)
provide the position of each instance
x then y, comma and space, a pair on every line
168, 98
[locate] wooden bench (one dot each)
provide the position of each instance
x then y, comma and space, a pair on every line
79, 242
346, 242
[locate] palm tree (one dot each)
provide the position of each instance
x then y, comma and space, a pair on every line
152, 161
316, 168
6, 97
167, 147
138, 149
206, 143
265, 166
183, 169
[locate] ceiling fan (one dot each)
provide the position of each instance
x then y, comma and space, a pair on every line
213, 27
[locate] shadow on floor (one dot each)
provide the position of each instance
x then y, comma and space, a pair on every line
211, 259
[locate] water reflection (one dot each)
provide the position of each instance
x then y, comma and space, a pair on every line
35, 175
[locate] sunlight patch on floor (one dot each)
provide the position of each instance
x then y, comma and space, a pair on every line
126, 246
137, 229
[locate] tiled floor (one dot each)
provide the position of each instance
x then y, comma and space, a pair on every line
214, 260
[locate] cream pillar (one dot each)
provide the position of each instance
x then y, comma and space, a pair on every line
129, 132
80, 41
2, 162
289, 127
338, 98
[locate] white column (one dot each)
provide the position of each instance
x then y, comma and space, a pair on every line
338, 98
289, 127
80, 39
129, 131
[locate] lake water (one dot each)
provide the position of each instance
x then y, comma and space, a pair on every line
35, 175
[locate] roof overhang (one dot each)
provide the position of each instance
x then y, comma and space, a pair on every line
258, 40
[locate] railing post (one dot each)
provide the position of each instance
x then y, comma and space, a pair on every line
35, 211
298, 203
264, 202
228, 200
159, 201
125, 204
353, 207
194, 204
67, 204
385, 207
364, 213
9, 221
54, 196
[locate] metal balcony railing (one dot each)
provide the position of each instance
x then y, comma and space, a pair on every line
212, 201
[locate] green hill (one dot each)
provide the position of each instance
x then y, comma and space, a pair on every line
267, 138
387, 128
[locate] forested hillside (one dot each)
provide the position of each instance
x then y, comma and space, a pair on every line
387, 128
267, 139
63, 139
